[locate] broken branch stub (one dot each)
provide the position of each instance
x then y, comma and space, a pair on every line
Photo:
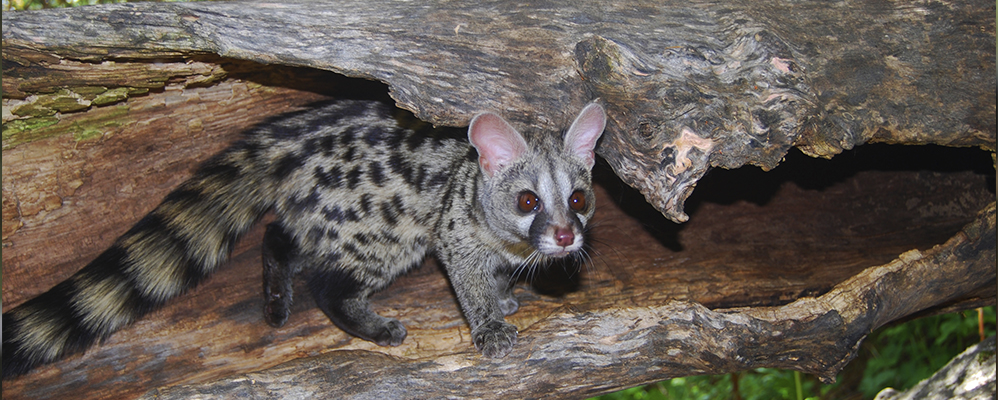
676, 111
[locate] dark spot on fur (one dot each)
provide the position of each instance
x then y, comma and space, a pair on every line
331, 179
401, 167
347, 135
414, 141
351, 215
353, 177
438, 179
389, 214
334, 214
375, 135
287, 164
349, 154
362, 238
376, 173
296, 204
326, 144
365, 203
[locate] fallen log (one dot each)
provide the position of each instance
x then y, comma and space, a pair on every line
97, 128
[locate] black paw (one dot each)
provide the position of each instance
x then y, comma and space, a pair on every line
392, 334
495, 338
276, 312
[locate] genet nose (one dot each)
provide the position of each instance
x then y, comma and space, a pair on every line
564, 237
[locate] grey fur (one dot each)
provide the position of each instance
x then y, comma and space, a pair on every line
359, 201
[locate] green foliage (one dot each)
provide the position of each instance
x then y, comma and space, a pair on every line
697, 387
903, 355
771, 383
691, 387
40, 4
897, 356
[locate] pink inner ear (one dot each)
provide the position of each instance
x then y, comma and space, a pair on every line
585, 131
498, 144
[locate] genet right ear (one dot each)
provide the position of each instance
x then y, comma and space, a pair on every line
585, 131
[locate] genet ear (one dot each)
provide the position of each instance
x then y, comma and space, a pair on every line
585, 131
497, 142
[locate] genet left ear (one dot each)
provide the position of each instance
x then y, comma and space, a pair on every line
497, 142
585, 131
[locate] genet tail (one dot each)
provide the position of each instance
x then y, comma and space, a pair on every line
171, 250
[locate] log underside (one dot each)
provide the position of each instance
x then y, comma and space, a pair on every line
789, 268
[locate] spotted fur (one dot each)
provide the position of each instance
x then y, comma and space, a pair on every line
359, 201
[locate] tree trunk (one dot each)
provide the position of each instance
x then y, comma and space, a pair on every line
106, 109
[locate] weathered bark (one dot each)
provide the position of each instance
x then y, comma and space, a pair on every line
562, 353
97, 128
689, 84
969, 376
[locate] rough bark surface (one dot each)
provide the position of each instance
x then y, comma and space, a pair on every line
689, 85
567, 348
969, 376
790, 268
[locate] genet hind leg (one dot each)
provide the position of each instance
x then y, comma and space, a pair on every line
344, 299
279, 270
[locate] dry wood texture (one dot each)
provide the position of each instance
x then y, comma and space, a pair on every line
689, 85
790, 268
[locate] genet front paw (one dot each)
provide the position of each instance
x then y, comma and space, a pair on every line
276, 312
392, 334
495, 338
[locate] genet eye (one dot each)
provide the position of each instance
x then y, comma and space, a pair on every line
578, 201
528, 202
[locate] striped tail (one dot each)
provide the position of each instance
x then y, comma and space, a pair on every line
171, 250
